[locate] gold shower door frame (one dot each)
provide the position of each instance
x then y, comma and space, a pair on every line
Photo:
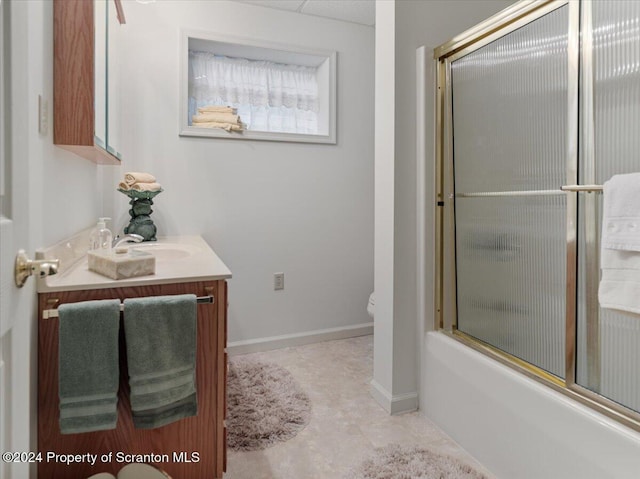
580, 119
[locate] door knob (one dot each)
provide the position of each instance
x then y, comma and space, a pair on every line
25, 267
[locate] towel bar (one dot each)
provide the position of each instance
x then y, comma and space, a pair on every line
563, 189
53, 313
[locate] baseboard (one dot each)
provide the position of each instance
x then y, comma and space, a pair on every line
298, 339
398, 404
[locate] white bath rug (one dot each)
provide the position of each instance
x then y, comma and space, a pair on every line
396, 462
265, 405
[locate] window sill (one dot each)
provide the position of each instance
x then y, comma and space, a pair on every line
257, 135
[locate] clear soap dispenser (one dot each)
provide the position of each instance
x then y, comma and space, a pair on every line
101, 238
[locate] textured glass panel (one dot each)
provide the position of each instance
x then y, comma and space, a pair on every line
616, 61
510, 110
616, 73
511, 256
510, 134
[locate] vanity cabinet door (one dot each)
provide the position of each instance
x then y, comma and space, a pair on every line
202, 434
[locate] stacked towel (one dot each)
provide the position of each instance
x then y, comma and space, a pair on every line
139, 182
223, 117
215, 117
161, 353
620, 245
88, 365
216, 108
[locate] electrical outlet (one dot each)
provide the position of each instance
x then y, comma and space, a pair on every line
278, 281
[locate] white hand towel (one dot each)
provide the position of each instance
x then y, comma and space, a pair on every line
620, 245
621, 213
138, 177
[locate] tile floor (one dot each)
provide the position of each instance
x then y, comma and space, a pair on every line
346, 424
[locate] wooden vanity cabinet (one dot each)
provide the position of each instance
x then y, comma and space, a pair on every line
203, 434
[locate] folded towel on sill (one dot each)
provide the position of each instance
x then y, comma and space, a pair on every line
215, 124
161, 354
216, 117
88, 365
620, 244
138, 177
215, 108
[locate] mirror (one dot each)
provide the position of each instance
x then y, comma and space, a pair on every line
85, 101
107, 19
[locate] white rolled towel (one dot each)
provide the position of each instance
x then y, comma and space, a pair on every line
146, 187
138, 177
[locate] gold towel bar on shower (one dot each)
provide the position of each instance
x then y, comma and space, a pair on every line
582, 188
53, 313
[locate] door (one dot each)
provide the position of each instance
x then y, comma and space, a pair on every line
16, 305
608, 341
508, 167
537, 115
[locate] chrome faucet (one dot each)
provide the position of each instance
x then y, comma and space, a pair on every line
130, 238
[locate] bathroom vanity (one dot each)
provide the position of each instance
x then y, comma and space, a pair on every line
191, 448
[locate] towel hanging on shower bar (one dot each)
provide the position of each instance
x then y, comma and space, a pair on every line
620, 245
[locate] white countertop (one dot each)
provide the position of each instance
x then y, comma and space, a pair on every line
179, 259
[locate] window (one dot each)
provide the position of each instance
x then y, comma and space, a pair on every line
246, 90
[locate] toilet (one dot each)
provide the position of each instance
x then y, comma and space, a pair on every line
135, 471
372, 304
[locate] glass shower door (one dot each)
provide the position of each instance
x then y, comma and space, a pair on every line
510, 143
608, 342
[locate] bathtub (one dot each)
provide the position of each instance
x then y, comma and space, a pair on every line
515, 426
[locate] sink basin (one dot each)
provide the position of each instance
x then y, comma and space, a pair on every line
167, 251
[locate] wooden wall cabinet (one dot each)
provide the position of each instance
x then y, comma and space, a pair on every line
204, 434
85, 112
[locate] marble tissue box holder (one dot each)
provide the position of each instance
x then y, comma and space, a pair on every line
122, 265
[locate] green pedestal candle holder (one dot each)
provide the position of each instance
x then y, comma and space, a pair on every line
141, 222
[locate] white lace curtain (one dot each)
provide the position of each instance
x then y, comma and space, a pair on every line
268, 96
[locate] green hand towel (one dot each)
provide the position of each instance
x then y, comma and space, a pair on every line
88, 365
161, 354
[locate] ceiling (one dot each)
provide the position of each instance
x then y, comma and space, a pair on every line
356, 11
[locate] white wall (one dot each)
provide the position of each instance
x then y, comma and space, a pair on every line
402, 27
382, 383
64, 191
302, 209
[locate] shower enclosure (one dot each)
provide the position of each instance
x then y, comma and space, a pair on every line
537, 108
